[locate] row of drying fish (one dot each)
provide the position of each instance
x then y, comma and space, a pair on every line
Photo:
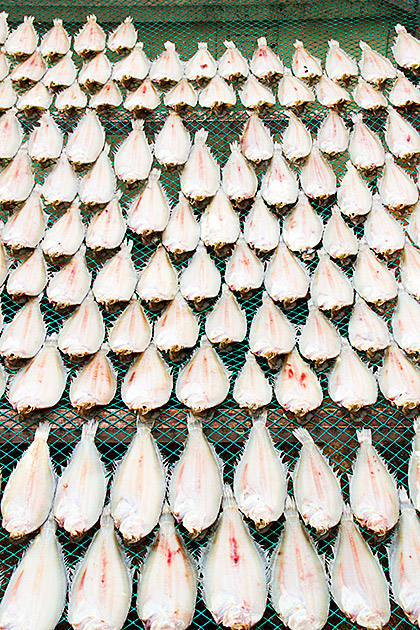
233, 567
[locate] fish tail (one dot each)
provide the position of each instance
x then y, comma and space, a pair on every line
166, 514
303, 435
290, 506
259, 416
416, 424
42, 431
193, 421
347, 513
142, 423
364, 436
228, 497
106, 518
404, 499
89, 429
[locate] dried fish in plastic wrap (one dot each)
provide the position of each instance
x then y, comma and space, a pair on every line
339, 66
29, 492
116, 281
296, 141
132, 68
81, 489
217, 95
271, 334
374, 67
203, 382
399, 379
28, 279
29, 71
339, 240
219, 224
252, 389
366, 96
11, 135
232, 64
404, 94
176, 329
158, 281
4, 27
147, 384
319, 341
62, 75
331, 289
292, 92
182, 232
255, 95
372, 279
138, 486
244, 271
351, 383
143, 100
196, 483
107, 228
90, 39
71, 99
202, 65
97, 187
83, 332
8, 95
40, 384
286, 278
330, 93
333, 135
383, 233
133, 159
95, 384
200, 280
226, 322
354, 197
256, 141
265, 64
367, 331
23, 337
404, 323
149, 211
239, 180
124, 37
410, 268
70, 285
167, 68
66, 235
406, 49
414, 466
279, 186
413, 227
234, 571
317, 178
26, 227
86, 141
373, 491
109, 96
296, 387
305, 65
56, 42
172, 143
358, 583
17, 179
34, 101
261, 227
302, 228
401, 137
365, 149
181, 96
23, 40
61, 184
46, 140
201, 174
131, 333
95, 72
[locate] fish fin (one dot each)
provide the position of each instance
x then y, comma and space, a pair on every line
259, 416
416, 424
364, 436
89, 429
404, 498
290, 508
42, 431
144, 423
303, 436
228, 497
193, 421
347, 513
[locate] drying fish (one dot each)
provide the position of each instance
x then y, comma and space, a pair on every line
339, 66
331, 289
96, 383
35, 101
29, 492
143, 100
61, 183
409, 269
358, 583
353, 195
217, 95
373, 492
167, 580
101, 586
219, 225
399, 379
46, 140
149, 211
167, 68
367, 331
401, 137
17, 179
234, 580
226, 322
299, 591
239, 180
133, 159
84, 331
196, 484
40, 384
265, 64
132, 68
11, 135
271, 334
202, 65
176, 329
261, 227
200, 176
372, 279
172, 144
181, 96
4, 27
366, 96
8, 95
260, 476
374, 67
406, 49
297, 388
330, 93
62, 74
90, 39
23, 40
56, 41
71, 99
256, 141
333, 135
107, 228
232, 64
131, 332
302, 228
138, 486
70, 285
203, 382
25, 228
28, 279
200, 280
305, 65
365, 149
404, 94
319, 341
158, 282
279, 186
252, 390
95, 72
383, 233
81, 489
244, 270
124, 37
317, 178
286, 278
182, 232
23, 337
147, 384
413, 227
109, 96
339, 240
296, 140
97, 187
66, 235
255, 95
4, 66
351, 384
29, 71
116, 281
414, 465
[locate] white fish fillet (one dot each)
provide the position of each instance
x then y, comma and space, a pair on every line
17, 179
305, 65
4, 27
319, 340
202, 65
177, 328
271, 334
11, 134
406, 49
66, 235
149, 211
23, 337
108, 97
217, 95
256, 95
354, 197
339, 240
279, 186
401, 137
90, 39
368, 97
172, 143
200, 177
56, 41
219, 224
330, 93
261, 227
181, 96
374, 67
302, 227
413, 227
124, 37
144, 99
365, 149
23, 40
404, 94
131, 332
132, 68
200, 280
265, 64
372, 279
338, 63
317, 178
296, 140
25, 228
296, 387
46, 141
404, 323
167, 68
383, 233
331, 289
232, 64
8, 95
399, 379
70, 285
84, 331
61, 183
351, 383
29, 278
396, 188
286, 278
95, 72
62, 75
333, 135
409, 269
116, 280
244, 270
226, 322
367, 331
87, 140
36, 100
239, 180
182, 232
252, 389
158, 281
256, 141
107, 228
414, 466
133, 159
95, 384
97, 187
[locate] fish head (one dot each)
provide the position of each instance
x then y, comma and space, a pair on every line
371, 619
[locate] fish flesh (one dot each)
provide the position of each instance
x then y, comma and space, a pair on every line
365, 149
95, 384
124, 37
11, 134
339, 240
61, 184
404, 323
167, 68
201, 174
182, 232
116, 281
200, 280
414, 466
403, 93
331, 289
56, 42
62, 75
367, 331
109, 96
202, 65
232, 64
4, 27
132, 332
106, 229
86, 141
226, 322
261, 227
4, 263
354, 197
90, 39
133, 159
239, 180
181, 96
256, 141
172, 143
401, 137
302, 228
66, 235
292, 92
176, 329
29, 71
409, 264
71, 99
374, 67
286, 277
279, 186
143, 100
265, 64
84, 331
333, 135
330, 93
70, 285
317, 178
244, 271
296, 387
305, 65
383, 233
406, 49
97, 187
351, 383
8, 95
23, 337
29, 278
413, 227
219, 224
217, 95
23, 40
296, 140
25, 227
149, 211
368, 97
339, 65
372, 279
17, 179
319, 340
399, 379
46, 140
34, 101
397, 189
132, 68
158, 281
95, 72
252, 389
256, 96
271, 334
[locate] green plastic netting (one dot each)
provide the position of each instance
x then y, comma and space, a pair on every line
185, 24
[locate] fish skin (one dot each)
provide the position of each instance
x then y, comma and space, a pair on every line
319, 340
218, 95
11, 134
333, 135
62, 75
256, 95
23, 337
404, 322
172, 143
17, 179
414, 466
331, 289
286, 277
354, 197
297, 388
232, 64
56, 42
330, 93
34, 101
70, 285
97, 187
61, 184
305, 65
401, 137
409, 262
397, 189
279, 186
399, 379
351, 383
239, 180
95, 72
107, 228
338, 239
29, 492
8, 95
95, 384
149, 211
84, 331
200, 177
244, 271
368, 97
317, 178
256, 141
271, 334
252, 390
365, 149
108, 97
124, 37
131, 332
87, 140
23, 40
202, 65
383, 233
46, 140
372, 279
302, 227
181, 96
